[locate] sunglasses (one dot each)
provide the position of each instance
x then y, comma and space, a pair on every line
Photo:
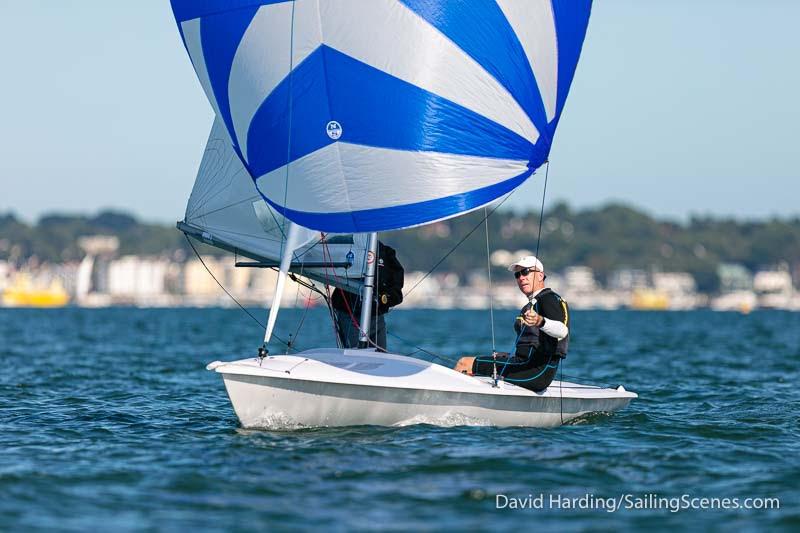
524, 272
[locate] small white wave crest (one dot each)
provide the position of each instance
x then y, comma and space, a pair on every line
447, 420
276, 422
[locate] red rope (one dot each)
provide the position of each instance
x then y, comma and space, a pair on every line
328, 258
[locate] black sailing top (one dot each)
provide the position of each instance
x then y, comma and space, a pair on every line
537, 348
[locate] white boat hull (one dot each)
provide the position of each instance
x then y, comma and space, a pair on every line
362, 387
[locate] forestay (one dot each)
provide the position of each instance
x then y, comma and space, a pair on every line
359, 116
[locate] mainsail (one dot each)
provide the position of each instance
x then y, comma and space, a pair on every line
367, 115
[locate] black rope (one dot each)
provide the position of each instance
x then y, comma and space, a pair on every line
459, 243
307, 285
311, 288
293, 338
561, 391
420, 349
326, 254
257, 321
588, 383
538, 242
541, 212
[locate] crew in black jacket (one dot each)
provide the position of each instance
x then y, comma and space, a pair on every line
542, 334
389, 293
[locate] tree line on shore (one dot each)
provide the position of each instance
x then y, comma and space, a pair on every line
605, 238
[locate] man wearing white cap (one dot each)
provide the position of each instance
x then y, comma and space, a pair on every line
542, 329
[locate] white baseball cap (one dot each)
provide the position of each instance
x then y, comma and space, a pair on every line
528, 261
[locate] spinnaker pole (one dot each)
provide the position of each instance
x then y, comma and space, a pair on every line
298, 236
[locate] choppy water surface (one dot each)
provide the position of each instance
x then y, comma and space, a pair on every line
108, 420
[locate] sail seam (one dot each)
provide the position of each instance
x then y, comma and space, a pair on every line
206, 213
490, 75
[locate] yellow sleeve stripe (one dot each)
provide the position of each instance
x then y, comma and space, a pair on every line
566, 313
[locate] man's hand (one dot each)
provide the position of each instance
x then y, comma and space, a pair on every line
532, 318
464, 365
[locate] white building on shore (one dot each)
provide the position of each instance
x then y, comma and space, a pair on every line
775, 290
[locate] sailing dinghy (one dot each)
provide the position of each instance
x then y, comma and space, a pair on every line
331, 387
336, 119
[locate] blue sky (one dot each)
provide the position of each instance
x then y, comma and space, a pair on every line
680, 107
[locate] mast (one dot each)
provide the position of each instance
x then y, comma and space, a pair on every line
368, 289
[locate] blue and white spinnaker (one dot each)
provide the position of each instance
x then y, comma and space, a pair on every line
368, 115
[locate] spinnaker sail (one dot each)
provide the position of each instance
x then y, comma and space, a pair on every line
360, 116
356, 116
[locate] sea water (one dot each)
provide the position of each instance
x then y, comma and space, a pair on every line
108, 420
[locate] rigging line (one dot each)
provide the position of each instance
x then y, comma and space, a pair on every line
311, 288
589, 383
214, 188
299, 281
538, 242
297, 292
561, 390
349, 310
289, 140
376, 296
459, 243
514, 350
272, 214
321, 295
303, 318
298, 256
489, 272
195, 215
346, 303
420, 349
260, 237
307, 284
299, 253
213, 185
328, 299
206, 187
541, 212
305, 311
257, 321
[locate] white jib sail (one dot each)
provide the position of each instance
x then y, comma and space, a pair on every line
226, 210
